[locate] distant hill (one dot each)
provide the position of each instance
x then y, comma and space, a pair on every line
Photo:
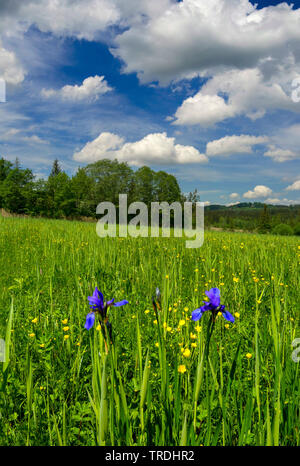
252, 205
253, 216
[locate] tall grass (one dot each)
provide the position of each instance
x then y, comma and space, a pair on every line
165, 379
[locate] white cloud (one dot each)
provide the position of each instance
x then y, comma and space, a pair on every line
73, 18
155, 148
276, 201
250, 55
104, 146
190, 37
234, 196
280, 155
90, 89
232, 93
294, 187
204, 110
10, 68
34, 139
232, 204
77, 18
14, 135
234, 145
258, 192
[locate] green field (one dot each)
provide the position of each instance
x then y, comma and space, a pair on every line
159, 384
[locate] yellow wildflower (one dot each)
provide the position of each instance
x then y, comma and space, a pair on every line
186, 353
182, 369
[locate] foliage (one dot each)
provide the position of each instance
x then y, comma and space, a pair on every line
61, 196
157, 385
282, 229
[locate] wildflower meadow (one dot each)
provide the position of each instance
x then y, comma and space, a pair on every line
142, 341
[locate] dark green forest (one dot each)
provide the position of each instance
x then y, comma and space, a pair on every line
76, 197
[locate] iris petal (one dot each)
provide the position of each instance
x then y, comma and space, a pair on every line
214, 296
228, 316
94, 301
90, 319
99, 295
197, 314
121, 303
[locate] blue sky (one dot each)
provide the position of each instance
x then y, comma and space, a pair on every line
207, 91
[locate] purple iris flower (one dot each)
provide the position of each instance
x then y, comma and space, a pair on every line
213, 305
97, 304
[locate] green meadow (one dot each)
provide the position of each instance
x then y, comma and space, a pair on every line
165, 379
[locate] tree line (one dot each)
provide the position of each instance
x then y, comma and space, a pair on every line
77, 196
62, 196
256, 217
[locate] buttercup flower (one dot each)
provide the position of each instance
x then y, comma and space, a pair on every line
182, 369
97, 304
213, 305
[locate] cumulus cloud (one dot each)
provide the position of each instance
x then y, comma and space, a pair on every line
155, 148
285, 201
10, 68
75, 18
83, 19
248, 55
280, 155
106, 145
90, 89
232, 93
294, 187
258, 192
205, 110
191, 37
234, 145
234, 196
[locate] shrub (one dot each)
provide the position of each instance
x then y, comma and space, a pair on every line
283, 229
297, 229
